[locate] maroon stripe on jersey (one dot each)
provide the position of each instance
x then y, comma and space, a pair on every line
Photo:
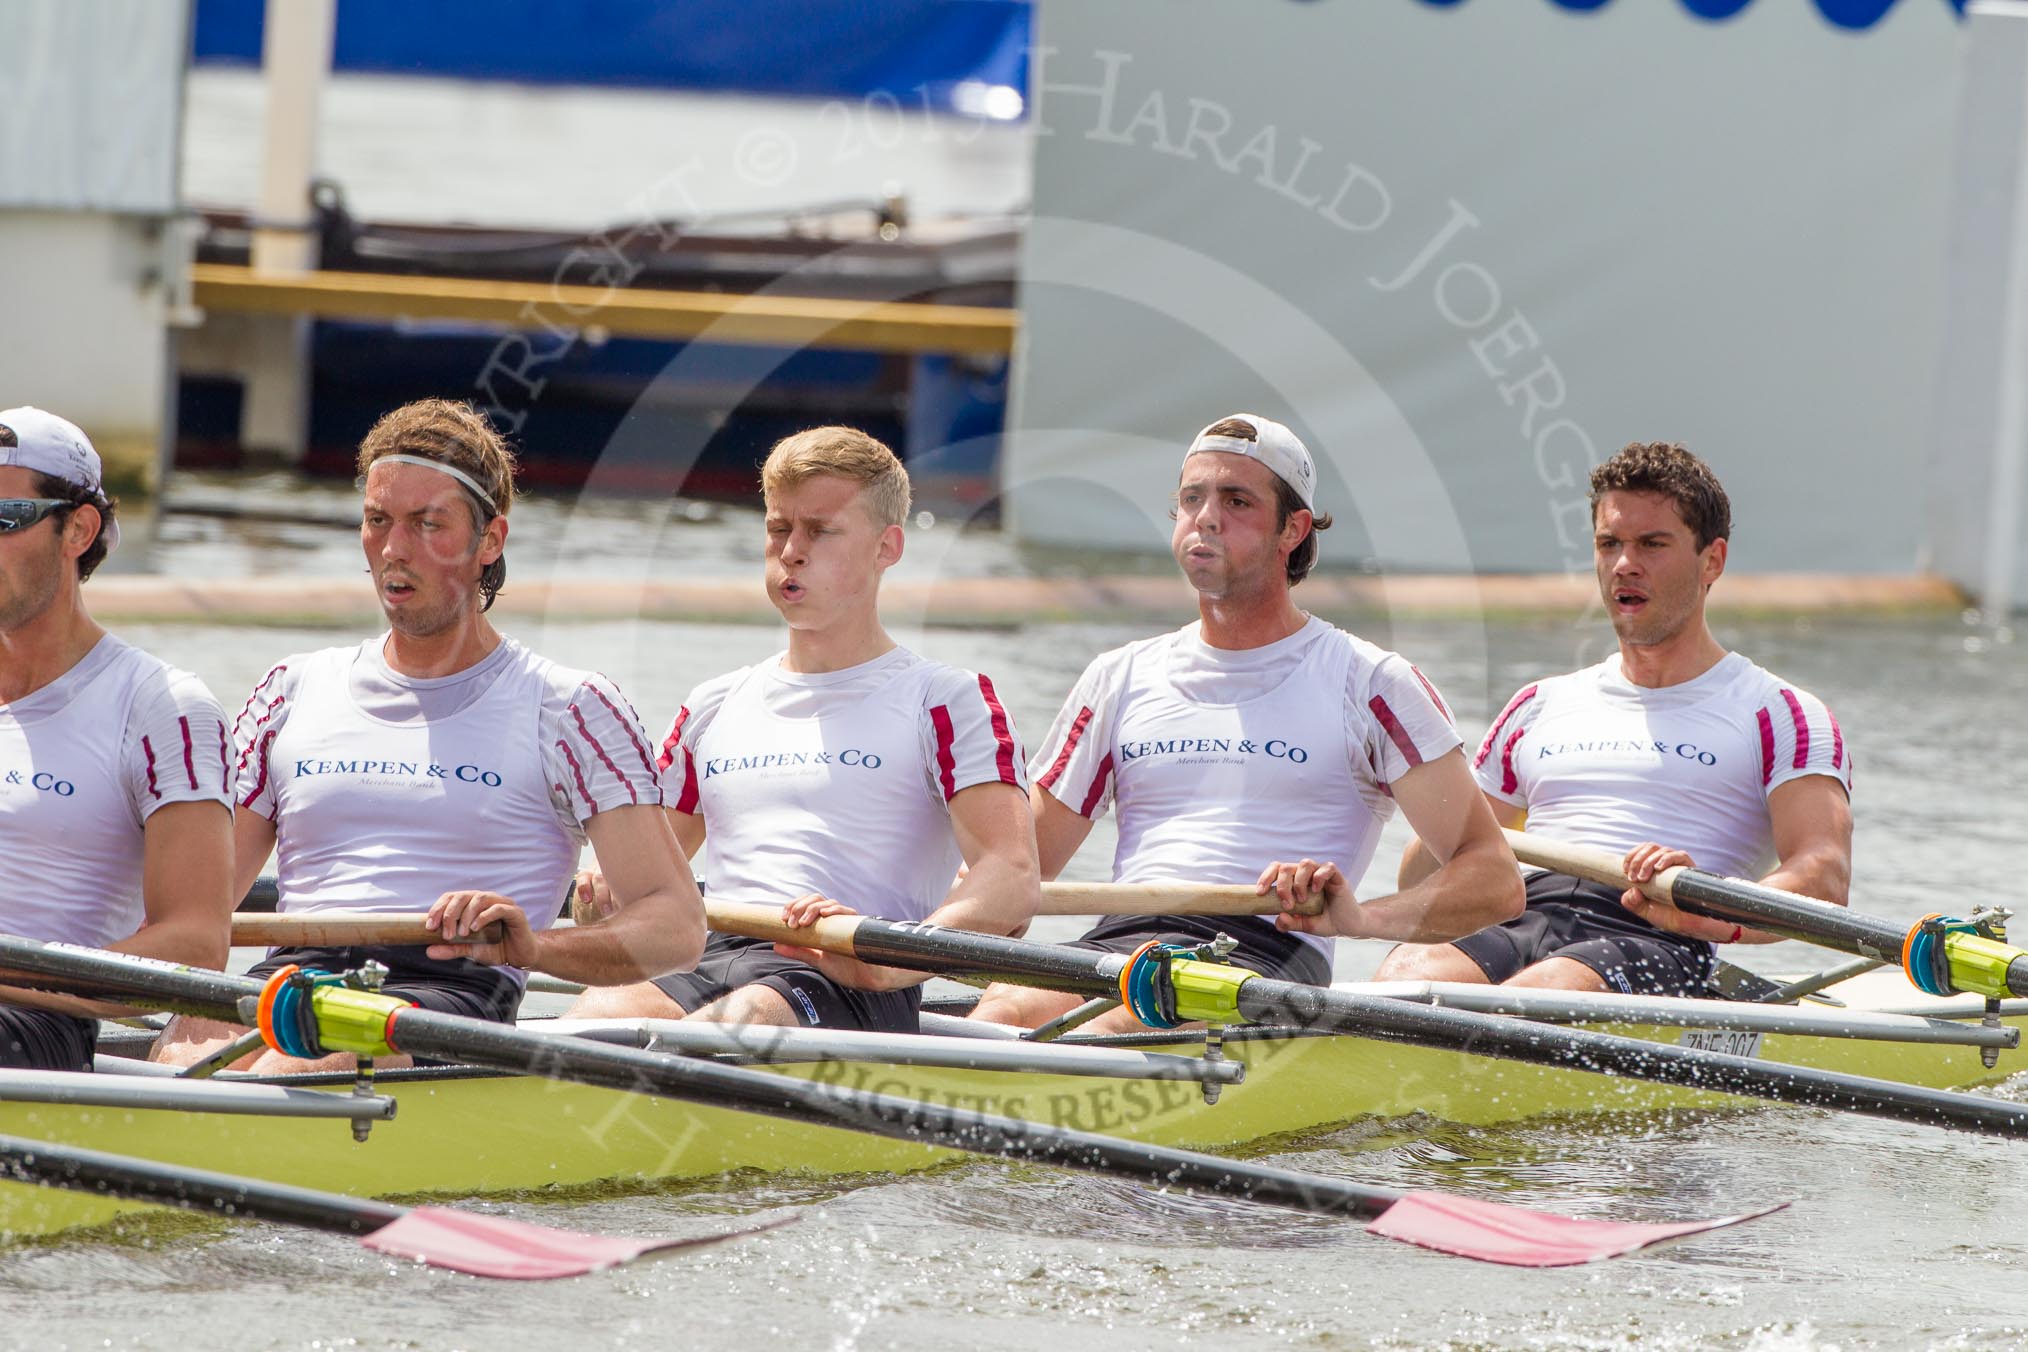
1004, 762
149, 751
686, 801
604, 759
1802, 757
940, 718
577, 773
1493, 733
189, 761
1837, 740
224, 760
626, 722
253, 735
673, 740
1431, 691
1077, 727
261, 744
1403, 743
1766, 745
1509, 781
1098, 787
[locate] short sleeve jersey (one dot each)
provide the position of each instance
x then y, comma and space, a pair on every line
84, 763
1220, 761
387, 791
1598, 760
837, 782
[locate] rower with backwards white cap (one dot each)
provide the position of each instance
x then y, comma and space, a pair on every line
115, 829
1256, 736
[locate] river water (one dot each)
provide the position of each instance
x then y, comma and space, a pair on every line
1899, 1236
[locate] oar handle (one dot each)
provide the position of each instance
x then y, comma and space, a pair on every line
833, 933
340, 929
1155, 899
1588, 862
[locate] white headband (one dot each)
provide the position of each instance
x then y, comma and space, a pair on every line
485, 498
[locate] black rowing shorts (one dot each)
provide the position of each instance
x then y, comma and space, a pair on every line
1571, 918
41, 1039
1262, 947
733, 960
447, 985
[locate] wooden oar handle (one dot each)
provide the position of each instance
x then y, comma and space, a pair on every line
832, 933
1589, 862
341, 929
1155, 899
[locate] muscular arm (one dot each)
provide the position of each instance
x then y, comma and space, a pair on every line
1418, 863
1059, 831
657, 924
186, 886
1474, 882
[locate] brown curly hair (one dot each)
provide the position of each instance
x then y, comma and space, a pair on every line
1665, 467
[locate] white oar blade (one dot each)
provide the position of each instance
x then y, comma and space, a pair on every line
1517, 1237
494, 1246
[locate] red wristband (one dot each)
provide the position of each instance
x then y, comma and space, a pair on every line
1737, 930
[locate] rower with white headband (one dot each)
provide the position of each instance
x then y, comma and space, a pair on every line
444, 767
115, 829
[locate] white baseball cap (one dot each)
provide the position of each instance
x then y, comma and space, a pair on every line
51, 445
1273, 444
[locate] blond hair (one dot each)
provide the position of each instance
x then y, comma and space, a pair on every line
847, 453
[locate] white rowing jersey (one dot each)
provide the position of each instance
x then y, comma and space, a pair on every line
84, 762
837, 782
387, 791
1598, 760
1220, 761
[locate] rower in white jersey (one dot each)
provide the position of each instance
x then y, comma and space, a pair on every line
115, 829
1259, 734
846, 774
1673, 751
444, 766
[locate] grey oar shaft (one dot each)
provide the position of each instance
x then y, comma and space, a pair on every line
774, 1046
174, 1094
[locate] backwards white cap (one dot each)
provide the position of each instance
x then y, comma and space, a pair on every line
51, 445
1273, 445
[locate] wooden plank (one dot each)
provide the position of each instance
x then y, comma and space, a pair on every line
763, 320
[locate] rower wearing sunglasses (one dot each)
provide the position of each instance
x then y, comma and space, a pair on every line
115, 820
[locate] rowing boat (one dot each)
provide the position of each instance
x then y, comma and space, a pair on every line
460, 1131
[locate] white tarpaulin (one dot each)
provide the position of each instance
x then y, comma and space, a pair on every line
1469, 250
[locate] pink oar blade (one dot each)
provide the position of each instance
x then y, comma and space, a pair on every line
1493, 1232
495, 1246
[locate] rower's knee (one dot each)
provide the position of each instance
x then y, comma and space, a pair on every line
749, 1004
186, 1041
1558, 974
1429, 962
1021, 1006
641, 1000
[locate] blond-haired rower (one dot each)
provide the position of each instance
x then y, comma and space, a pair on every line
442, 765
845, 773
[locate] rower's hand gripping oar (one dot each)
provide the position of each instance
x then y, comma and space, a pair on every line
336, 1017
462, 1241
1941, 956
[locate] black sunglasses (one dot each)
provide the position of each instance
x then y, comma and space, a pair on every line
21, 513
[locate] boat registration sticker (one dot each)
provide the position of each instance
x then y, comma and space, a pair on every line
1731, 1041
